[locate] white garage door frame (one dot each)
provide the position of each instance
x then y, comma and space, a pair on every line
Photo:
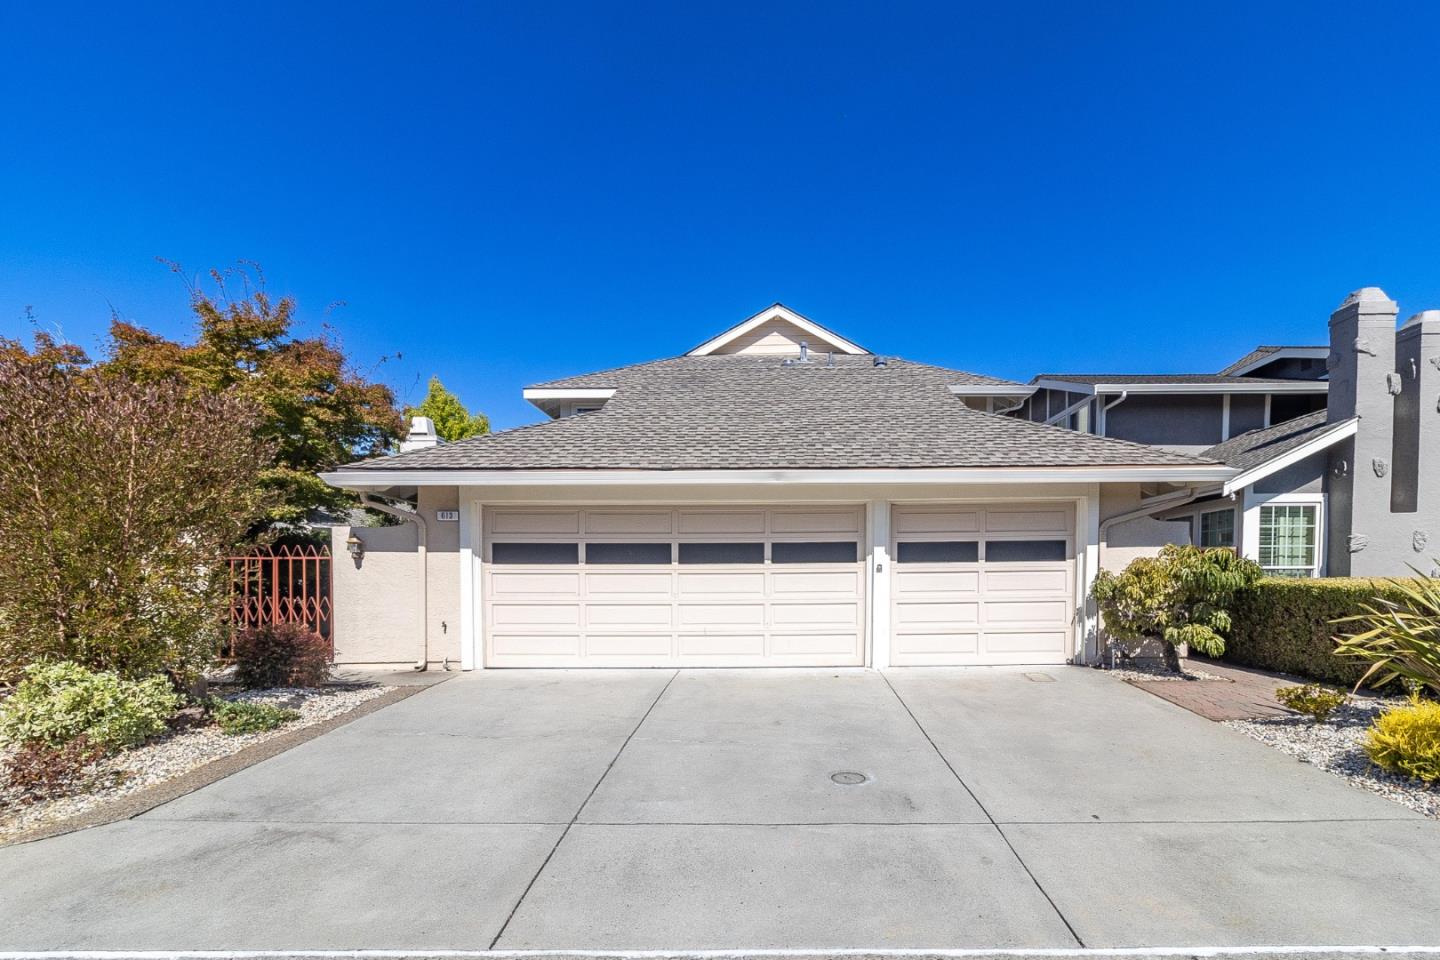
877, 555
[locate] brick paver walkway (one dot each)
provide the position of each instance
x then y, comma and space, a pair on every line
1250, 694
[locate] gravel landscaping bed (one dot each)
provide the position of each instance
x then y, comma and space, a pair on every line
1335, 746
1141, 670
180, 752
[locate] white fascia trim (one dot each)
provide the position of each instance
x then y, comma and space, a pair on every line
382, 479
785, 313
566, 393
1275, 386
992, 390
1323, 441
1291, 353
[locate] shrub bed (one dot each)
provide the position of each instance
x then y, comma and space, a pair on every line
1284, 624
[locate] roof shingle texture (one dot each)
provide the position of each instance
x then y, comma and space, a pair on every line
1260, 353
747, 412
1261, 446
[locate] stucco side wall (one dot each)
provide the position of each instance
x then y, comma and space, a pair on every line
1144, 537
377, 601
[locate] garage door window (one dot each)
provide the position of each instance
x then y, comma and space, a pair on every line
722, 553
1024, 551
535, 552
937, 551
831, 551
627, 553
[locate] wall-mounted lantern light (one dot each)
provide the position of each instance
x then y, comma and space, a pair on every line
356, 548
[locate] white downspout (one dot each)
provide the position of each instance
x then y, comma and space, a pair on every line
1105, 409
420, 535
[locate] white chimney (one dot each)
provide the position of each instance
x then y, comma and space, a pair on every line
422, 434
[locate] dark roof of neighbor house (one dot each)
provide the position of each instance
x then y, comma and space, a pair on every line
1263, 351
1176, 378
1260, 446
758, 412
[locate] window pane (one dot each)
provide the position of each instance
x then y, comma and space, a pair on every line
1023, 551
818, 552
1288, 535
722, 553
1217, 528
627, 553
535, 552
939, 551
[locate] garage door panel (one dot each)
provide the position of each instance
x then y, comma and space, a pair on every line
926, 613
1026, 611
1026, 641
949, 642
538, 521
748, 584
722, 523
552, 615
528, 584
839, 582
790, 522
634, 616
721, 614
1027, 521
816, 614
651, 646
628, 584
625, 522
1030, 582
927, 521
534, 645
809, 644
922, 582
722, 645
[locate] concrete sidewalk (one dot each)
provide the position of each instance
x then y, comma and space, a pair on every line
700, 809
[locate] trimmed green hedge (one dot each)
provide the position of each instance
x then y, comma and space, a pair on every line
1284, 624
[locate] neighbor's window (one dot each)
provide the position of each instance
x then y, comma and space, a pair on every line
1289, 539
1217, 528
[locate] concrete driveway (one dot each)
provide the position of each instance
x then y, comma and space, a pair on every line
655, 809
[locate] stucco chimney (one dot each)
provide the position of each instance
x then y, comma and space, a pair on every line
422, 434
1363, 384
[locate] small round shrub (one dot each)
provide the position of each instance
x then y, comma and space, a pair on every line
1406, 740
1312, 700
56, 703
280, 655
237, 717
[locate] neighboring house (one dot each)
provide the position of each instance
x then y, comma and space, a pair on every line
1337, 445
777, 496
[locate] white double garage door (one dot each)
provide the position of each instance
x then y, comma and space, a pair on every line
774, 586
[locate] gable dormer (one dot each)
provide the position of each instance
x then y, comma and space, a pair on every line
776, 331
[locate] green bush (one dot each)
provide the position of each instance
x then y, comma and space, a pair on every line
56, 703
1286, 624
237, 717
1406, 740
1313, 700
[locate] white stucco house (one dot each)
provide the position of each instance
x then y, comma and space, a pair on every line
777, 496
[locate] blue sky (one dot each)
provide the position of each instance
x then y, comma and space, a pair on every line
504, 193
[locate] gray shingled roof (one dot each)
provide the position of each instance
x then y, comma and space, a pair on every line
1260, 353
1177, 378
747, 412
1261, 446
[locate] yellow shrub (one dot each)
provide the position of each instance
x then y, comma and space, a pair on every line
1406, 740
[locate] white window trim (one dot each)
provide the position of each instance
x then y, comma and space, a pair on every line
1250, 528
1196, 535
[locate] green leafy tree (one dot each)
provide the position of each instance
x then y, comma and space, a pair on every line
315, 410
1179, 597
121, 500
452, 421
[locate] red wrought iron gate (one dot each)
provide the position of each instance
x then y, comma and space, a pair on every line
281, 585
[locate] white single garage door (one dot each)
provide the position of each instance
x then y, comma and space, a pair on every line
987, 584
673, 586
